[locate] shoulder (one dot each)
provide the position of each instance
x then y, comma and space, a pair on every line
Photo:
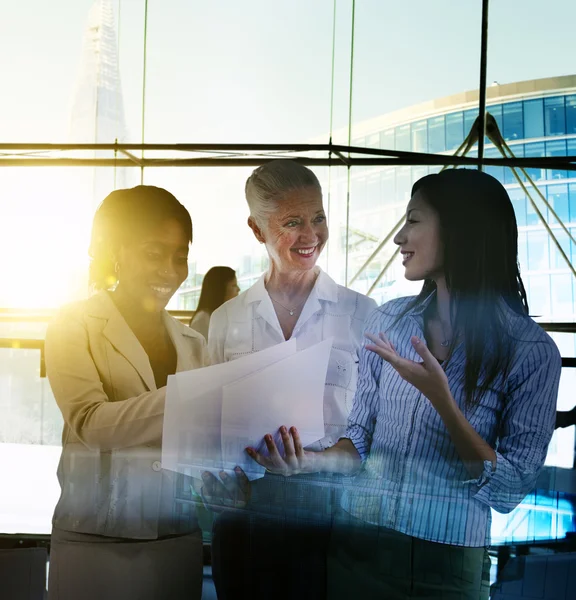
230, 310
186, 331
534, 348
74, 313
385, 315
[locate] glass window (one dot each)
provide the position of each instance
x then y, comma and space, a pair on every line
419, 172
512, 121
387, 139
554, 116
388, 186
436, 135
533, 150
403, 184
469, 118
539, 295
518, 199
496, 112
419, 137
498, 172
558, 198
571, 114
454, 130
572, 201
538, 257
403, 138
557, 260
518, 150
522, 248
534, 118
556, 148
372, 140
562, 296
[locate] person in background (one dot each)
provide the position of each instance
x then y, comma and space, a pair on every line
277, 548
218, 286
454, 410
119, 531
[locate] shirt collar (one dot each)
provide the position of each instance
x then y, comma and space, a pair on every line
325, 288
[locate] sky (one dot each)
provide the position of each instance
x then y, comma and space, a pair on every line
231, 71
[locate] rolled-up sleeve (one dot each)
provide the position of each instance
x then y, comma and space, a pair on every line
362, 418
527, 425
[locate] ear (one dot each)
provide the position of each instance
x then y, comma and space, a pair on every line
256, 230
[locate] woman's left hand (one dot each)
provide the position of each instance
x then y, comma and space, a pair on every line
426, 376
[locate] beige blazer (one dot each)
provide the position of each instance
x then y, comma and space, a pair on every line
110, 471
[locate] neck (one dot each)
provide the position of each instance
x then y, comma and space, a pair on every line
290, 285
134, 313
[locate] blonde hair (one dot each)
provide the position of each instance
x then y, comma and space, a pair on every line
268, 184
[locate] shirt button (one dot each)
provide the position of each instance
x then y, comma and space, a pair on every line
156, 465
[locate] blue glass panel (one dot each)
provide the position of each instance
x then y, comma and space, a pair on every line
496, 112
498, 172
571, 114
469, 118
523, 250
512, 121
518, 199
538, 292
572, 201
403, 138
534, 118
556, 148
419, 136
562, 297
387, 139
533, 150
454, 130
558, 199
436, 135
518, 151
554, 116
403, 184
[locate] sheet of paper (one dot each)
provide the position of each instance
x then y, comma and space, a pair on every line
289, 392
191, 439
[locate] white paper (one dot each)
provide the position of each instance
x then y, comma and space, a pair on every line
289, 392
191, 438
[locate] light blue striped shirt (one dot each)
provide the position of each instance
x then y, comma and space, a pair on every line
413, 480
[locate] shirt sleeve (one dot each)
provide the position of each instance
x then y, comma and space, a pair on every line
362, 418
217, 335
527, 425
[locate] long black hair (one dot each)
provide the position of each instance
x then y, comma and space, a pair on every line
479, 234
214, 288
122, 217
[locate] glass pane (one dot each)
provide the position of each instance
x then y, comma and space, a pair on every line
403, 138
436, 135
513, 122
534, 118
571, 114
454, 130
554, 116
419, 137
558, 198
535, 150
518, 199
387, 139
556, 148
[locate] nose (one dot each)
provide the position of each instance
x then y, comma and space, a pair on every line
400, 237
308, 234
166, 269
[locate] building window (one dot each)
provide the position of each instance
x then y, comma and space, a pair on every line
538, 246
558, 199
454, 130
469, 118
572, 201
403, 138
518, 199
556, 148
512, 121
419, 137
534, 118
387, 139
436, 135
496, 112
554, 116
535, 150
495, 171
518, 150
571, 114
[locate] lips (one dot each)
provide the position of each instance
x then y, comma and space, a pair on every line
162, 290
406, 256
305, 252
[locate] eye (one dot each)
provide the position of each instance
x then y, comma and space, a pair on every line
411, 221
153, 255
292, 224
320, 219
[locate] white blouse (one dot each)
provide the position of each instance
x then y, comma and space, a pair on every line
248, 323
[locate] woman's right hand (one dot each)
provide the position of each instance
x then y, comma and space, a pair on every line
227, 493
295, 460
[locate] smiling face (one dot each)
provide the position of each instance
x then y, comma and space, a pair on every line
153, 267
420, 242
296, 232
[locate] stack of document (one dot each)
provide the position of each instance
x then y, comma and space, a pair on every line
213, 414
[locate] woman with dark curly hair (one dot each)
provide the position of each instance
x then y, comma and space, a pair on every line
118, 528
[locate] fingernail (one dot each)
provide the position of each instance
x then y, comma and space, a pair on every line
268, 437
250, 451
282, 429
223, 474
294, 430
415, 340
237, 469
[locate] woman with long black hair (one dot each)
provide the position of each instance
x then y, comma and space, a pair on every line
454, 409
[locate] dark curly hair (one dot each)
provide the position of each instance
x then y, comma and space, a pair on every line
123, 217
